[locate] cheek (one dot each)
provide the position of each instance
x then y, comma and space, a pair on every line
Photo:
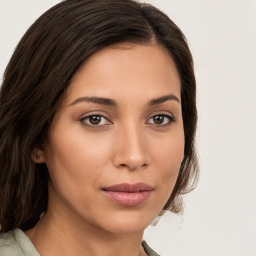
169, 166
74, 168
168, 156
75, 157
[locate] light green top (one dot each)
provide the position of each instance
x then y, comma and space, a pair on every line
16, 243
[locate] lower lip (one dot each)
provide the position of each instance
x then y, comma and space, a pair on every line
128, 199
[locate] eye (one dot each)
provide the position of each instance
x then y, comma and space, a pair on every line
161, 120
94, 120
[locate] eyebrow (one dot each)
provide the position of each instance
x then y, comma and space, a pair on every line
163, 99
112, 103
97, 100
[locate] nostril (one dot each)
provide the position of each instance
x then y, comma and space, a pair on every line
133, 166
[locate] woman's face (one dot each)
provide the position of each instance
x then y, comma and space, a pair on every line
117, 142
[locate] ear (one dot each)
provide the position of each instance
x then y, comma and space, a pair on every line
38, 155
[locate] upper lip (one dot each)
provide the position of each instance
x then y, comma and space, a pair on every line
130, 188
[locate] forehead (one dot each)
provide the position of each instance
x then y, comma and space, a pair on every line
126, 70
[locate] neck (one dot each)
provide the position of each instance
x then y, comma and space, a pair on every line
57, 235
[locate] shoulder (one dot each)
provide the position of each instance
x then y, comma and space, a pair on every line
16, 243
9, 245
148, 250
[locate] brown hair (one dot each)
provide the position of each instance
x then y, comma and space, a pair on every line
38, 74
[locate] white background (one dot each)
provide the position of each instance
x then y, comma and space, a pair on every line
220, 215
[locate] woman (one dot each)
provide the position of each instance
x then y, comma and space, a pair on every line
98, 119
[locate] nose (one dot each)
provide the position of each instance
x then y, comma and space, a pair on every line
130, 149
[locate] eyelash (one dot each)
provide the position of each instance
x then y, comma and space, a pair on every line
83, 121
170, 118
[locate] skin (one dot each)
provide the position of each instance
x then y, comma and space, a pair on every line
126, 146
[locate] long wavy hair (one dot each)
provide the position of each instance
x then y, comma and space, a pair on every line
36, 79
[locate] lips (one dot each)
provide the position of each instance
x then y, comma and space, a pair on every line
128, 194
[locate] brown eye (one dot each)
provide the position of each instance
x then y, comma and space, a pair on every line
94, 120
158, 119
161, 119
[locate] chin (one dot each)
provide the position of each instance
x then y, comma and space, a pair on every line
127, 223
